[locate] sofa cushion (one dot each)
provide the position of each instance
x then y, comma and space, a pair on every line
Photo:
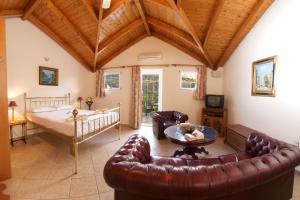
169, 123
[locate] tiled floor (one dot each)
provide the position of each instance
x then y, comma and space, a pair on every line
42, 169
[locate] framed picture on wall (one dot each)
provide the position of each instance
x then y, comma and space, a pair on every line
263, 80
48, 76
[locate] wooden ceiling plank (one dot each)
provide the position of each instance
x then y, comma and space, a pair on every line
258, 10
11, 13
71, 26
179, 10
172, 30
32, 4
213, 20
133, 42
180, 47
114, 7
59, 40
140, 6
100, 15
161, 3
119, 34
90, 10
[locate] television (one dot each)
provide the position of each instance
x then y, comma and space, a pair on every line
214, 101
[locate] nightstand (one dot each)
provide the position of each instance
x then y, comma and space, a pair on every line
22, 123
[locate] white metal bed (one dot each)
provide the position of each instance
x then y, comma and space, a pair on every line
92, 127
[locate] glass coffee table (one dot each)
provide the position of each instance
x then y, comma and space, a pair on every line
191, 147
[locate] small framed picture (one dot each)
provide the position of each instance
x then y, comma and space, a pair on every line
48, 76
263, 80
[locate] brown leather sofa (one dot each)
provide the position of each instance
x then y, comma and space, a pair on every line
264, 171
164, 119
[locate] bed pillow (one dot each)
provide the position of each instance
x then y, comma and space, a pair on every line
43, 109
64, 107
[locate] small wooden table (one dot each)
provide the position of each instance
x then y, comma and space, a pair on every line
190, 147
22, 123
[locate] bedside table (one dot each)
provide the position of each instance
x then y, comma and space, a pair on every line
22, 123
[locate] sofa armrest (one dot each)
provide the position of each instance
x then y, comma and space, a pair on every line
178, 116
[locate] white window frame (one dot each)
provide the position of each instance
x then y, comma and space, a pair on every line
180, 81
112, 73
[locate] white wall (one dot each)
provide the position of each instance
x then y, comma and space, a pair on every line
173, 97
276, 33
26, 48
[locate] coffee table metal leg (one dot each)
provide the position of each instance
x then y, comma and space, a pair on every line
190, 151
202, 150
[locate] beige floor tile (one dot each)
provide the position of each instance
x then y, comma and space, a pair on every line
59, 171
107, 196
84, 171
102, 186
20, 172
92, 197
29, 189
56, 189
81, 187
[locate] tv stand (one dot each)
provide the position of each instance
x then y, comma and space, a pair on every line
216, 118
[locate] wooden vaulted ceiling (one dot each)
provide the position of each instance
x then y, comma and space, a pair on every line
208, 30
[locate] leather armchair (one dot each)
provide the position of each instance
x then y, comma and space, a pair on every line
163, 119
264, 171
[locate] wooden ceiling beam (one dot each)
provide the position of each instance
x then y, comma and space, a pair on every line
179, 10
258, 10
180, 47
69, 24
118, 52
213, 20
60, 41
119, 34
114, 7
32, 4
140, 6
172, 30
11, 13
100, 15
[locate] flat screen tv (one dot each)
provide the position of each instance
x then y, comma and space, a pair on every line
214, 101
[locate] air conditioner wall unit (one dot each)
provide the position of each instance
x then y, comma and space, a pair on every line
149, 56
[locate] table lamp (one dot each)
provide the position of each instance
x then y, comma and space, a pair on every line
12, 105
79, 99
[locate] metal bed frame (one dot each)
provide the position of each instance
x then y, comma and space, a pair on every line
76, 139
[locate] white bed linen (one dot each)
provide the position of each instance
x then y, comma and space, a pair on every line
62, 121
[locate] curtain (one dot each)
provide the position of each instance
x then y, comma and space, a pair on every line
136, 102
100, 87
201, 83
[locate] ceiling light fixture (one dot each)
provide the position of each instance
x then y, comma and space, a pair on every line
106, 4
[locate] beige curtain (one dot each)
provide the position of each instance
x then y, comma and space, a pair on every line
136, 102
200, 91
100, 87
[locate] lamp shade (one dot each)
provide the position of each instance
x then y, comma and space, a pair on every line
79, 99
12, 104
106, 4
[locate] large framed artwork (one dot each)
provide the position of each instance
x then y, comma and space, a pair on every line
48, 76
263, 81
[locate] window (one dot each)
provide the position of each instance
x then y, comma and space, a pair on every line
112, 81
188, 80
